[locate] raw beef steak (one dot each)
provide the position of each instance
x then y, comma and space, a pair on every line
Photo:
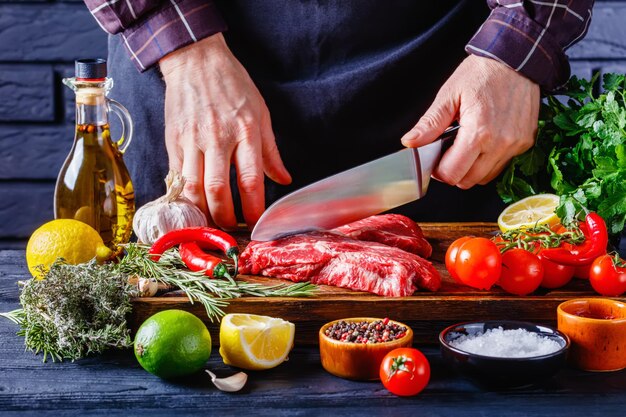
335, 259
390, 229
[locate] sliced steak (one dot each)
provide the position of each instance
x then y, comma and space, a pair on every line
390, 229
334, 259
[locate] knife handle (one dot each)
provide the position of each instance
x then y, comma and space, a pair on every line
447, 137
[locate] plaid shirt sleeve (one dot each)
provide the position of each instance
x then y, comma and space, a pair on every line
531, 36
151, 29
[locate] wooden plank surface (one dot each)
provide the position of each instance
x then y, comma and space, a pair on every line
427, 313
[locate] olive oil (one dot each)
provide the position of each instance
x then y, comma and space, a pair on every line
94, 185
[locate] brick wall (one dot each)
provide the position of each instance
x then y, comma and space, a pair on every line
39, 41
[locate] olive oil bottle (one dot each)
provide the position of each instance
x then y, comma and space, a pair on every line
94, 185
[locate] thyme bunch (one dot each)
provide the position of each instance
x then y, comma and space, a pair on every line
76, 310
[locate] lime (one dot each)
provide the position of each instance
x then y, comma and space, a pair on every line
172, 343
74, 241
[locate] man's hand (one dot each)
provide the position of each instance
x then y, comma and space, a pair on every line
497, 109
215, 116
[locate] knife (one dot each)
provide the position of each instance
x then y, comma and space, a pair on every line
355, 194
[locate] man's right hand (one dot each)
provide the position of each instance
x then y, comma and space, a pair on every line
215, 116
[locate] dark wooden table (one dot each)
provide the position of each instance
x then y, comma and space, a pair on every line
114, 384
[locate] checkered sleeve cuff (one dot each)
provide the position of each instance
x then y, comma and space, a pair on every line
531, 36
172, 27
521, 43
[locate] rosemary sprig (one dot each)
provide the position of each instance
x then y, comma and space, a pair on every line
211, 293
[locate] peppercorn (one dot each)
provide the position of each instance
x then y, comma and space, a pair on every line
377, 331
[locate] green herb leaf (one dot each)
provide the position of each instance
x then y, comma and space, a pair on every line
611, 82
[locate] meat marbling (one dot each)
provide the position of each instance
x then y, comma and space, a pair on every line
392, 230
333, 258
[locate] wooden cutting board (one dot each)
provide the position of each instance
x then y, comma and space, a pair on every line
427, 313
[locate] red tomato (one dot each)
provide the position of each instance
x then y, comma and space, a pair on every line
582, 272
555, 275
478, 263
522, 272
453, 249
405, 371
606, 278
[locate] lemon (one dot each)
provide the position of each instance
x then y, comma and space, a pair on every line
74, 241
255, 342
531, 211
172, 343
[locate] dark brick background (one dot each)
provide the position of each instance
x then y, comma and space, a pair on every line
39, 41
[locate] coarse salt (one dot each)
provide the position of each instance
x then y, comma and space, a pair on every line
500, 343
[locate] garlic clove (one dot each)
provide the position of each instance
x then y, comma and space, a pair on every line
147, 287
232, 383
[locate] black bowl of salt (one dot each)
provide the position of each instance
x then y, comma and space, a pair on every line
503, 353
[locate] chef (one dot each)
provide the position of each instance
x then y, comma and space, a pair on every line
251, 99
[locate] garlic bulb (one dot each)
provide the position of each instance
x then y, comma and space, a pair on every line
169, 212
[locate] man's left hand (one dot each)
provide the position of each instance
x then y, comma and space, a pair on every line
497, 109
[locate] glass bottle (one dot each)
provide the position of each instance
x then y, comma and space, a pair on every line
94, 185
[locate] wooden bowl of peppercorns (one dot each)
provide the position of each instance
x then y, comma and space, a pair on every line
354, 348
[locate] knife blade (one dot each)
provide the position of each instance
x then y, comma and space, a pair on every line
355, 194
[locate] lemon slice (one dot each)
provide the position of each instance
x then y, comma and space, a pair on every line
531, 211
255, 342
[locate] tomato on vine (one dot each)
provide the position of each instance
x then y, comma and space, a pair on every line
405, 371
478, 263
522, 272
582, 272
555, 275
451, 253
608, 276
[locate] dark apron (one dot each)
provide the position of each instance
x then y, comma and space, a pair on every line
343, 80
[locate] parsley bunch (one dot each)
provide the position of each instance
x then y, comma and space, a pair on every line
580, 153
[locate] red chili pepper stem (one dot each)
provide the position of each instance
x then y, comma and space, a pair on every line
221, 271
232, 253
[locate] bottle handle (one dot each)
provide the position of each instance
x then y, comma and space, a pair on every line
127, 124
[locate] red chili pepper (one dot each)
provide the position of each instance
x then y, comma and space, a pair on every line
208, 235
594, 246
198, 260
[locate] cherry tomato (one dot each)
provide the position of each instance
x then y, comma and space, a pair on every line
555, 275
453, 249
607, 278
522, 272
478, 263
405, 371
582, 272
